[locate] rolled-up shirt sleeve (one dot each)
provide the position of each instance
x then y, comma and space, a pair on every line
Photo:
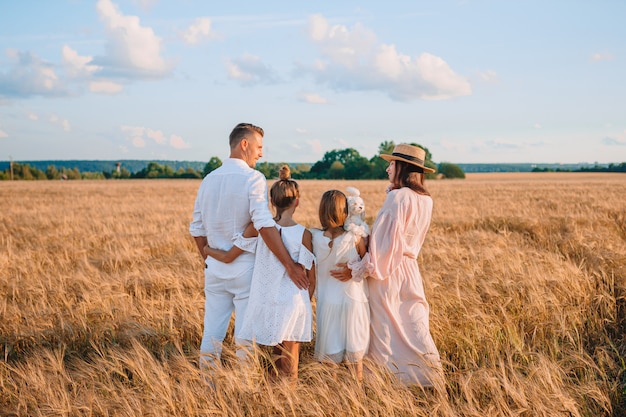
259, 209
196, 226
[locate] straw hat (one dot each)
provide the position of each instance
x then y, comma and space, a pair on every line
410, 154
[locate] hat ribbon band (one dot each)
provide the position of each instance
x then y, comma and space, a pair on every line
409, 157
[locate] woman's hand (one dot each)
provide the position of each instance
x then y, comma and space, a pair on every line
343, 273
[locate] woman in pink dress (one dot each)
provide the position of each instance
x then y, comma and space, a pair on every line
400, 335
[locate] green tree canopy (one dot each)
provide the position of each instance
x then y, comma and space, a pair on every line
449, 170
213, 164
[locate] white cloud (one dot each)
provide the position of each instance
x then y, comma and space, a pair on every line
312, 98
145, 4
301, 130
138, 142
178, 142
249, 70
64, 123
28, 75
342, 143
353, 59
316, 145
141, 137
133, 51
537, 126
3, 134
75, 65
133, 130
615, 140
489, 76
198, 31
602, 56
32, 116
105, 87
155, 135
499, 143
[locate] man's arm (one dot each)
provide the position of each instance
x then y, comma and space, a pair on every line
295, 271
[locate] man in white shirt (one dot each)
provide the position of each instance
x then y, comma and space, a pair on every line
229, 198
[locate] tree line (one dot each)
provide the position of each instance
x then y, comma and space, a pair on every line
596, 168
335, 164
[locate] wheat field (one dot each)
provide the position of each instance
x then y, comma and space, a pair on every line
101, 304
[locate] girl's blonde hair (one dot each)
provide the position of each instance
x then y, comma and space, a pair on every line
333, 210
284, 191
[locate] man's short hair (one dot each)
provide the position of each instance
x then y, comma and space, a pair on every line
241, 131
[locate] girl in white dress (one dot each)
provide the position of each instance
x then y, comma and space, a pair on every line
279, 313
343, 317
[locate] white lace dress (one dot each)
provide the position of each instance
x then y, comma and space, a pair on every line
342, 309
277, 310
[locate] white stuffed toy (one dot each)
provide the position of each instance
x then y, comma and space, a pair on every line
355, 222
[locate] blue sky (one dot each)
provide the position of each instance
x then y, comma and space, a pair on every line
474, 81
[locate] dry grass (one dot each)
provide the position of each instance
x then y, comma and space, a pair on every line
101, 303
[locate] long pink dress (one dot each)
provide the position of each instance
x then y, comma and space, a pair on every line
400, 334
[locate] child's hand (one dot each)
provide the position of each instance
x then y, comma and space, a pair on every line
343, 273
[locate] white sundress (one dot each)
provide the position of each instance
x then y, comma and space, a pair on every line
278, 310
342, 309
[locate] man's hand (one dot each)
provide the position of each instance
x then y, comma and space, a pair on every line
343, 273
272, 239
298, 276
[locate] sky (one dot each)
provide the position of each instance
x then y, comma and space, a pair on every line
473, 81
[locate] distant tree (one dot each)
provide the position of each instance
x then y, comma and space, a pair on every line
267, 169
450, 170
386, 147
378, 164
52, 173
353, 165
155, 170
92, 176
188, 173
358, 167
213, 164
336, 170
71, 174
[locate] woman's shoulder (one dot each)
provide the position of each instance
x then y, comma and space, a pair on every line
404, 193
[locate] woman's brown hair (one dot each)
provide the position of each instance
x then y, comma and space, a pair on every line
409, 175
333, 210
284, 191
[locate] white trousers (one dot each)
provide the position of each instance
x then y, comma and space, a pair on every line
222, 297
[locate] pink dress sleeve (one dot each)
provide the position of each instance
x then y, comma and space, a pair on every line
386, 243
386, 249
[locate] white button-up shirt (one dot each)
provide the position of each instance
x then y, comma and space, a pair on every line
228, 199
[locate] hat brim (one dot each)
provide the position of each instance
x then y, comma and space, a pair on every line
388, 157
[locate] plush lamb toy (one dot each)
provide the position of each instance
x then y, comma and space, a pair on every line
355, 222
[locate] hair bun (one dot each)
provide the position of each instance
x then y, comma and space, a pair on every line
284, 173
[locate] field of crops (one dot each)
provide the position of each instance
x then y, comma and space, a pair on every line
101, 303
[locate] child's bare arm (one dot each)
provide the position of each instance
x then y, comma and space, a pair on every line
250, 231
232, 254
222, 255
307, 241
361, 246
